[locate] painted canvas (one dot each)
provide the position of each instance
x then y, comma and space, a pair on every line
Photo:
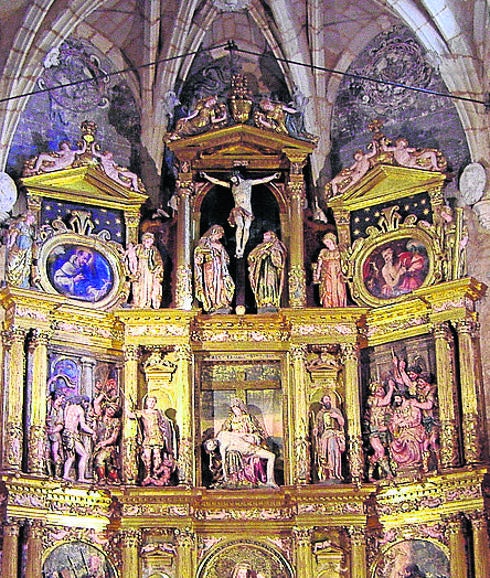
80, 272
413, 559
396, 268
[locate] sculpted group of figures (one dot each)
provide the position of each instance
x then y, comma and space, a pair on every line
401, 423
83, 437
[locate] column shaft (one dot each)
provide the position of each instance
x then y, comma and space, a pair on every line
10, 550
446, 392
350, 361
185, 411
457, 551
301, 459
130, 427
183, 290
34, 550
130, 554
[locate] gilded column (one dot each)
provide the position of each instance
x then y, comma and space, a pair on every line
358, 551
350, 361
10, 559
481, 550
37, 428
470, 389
297, 276
132, 225
457, 549
34, 550
130, 540
444, 346
304, 558
130, 427
186, 553
185, 410
12, 454
183, 290
300, 413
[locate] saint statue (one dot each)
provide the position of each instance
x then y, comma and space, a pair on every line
214, 286
267, 263
146, 266
327, 274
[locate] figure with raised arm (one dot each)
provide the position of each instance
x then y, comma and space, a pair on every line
349, 176
241, 216
106, 450
411, 157
214, 286
60, 159
206, 115
266, 269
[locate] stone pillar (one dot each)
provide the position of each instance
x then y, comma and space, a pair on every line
358, 551
296, 193
10, 550
34, 550
130, 540
130, 426
37, 426
14, 392
183, 289
350, 361
302, 474
446, 392
304, 558
87, 375
481, 549
457, 548
186, 552
469, 376
185, 412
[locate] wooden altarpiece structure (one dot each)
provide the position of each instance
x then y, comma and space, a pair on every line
376, 513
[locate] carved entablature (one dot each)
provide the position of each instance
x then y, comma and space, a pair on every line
396, 234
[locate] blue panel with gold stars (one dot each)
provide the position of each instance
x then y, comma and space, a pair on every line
418, 205
103, 219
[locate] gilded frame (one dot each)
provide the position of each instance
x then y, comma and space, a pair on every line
63, 248
411, 246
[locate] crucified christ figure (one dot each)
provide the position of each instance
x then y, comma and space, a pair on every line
241, 215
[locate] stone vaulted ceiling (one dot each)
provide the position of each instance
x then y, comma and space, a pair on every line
321, 35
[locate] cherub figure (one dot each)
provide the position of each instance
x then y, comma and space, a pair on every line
121, 175
412, 157
56, 160
351, 175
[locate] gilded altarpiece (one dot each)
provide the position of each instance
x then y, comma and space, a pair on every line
290, 439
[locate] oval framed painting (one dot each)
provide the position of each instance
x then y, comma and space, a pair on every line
85, 269
393, 265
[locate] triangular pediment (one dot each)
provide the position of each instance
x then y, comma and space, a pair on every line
86, 184
235, 142
384, 183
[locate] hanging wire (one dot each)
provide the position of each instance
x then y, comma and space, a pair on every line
232, 47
